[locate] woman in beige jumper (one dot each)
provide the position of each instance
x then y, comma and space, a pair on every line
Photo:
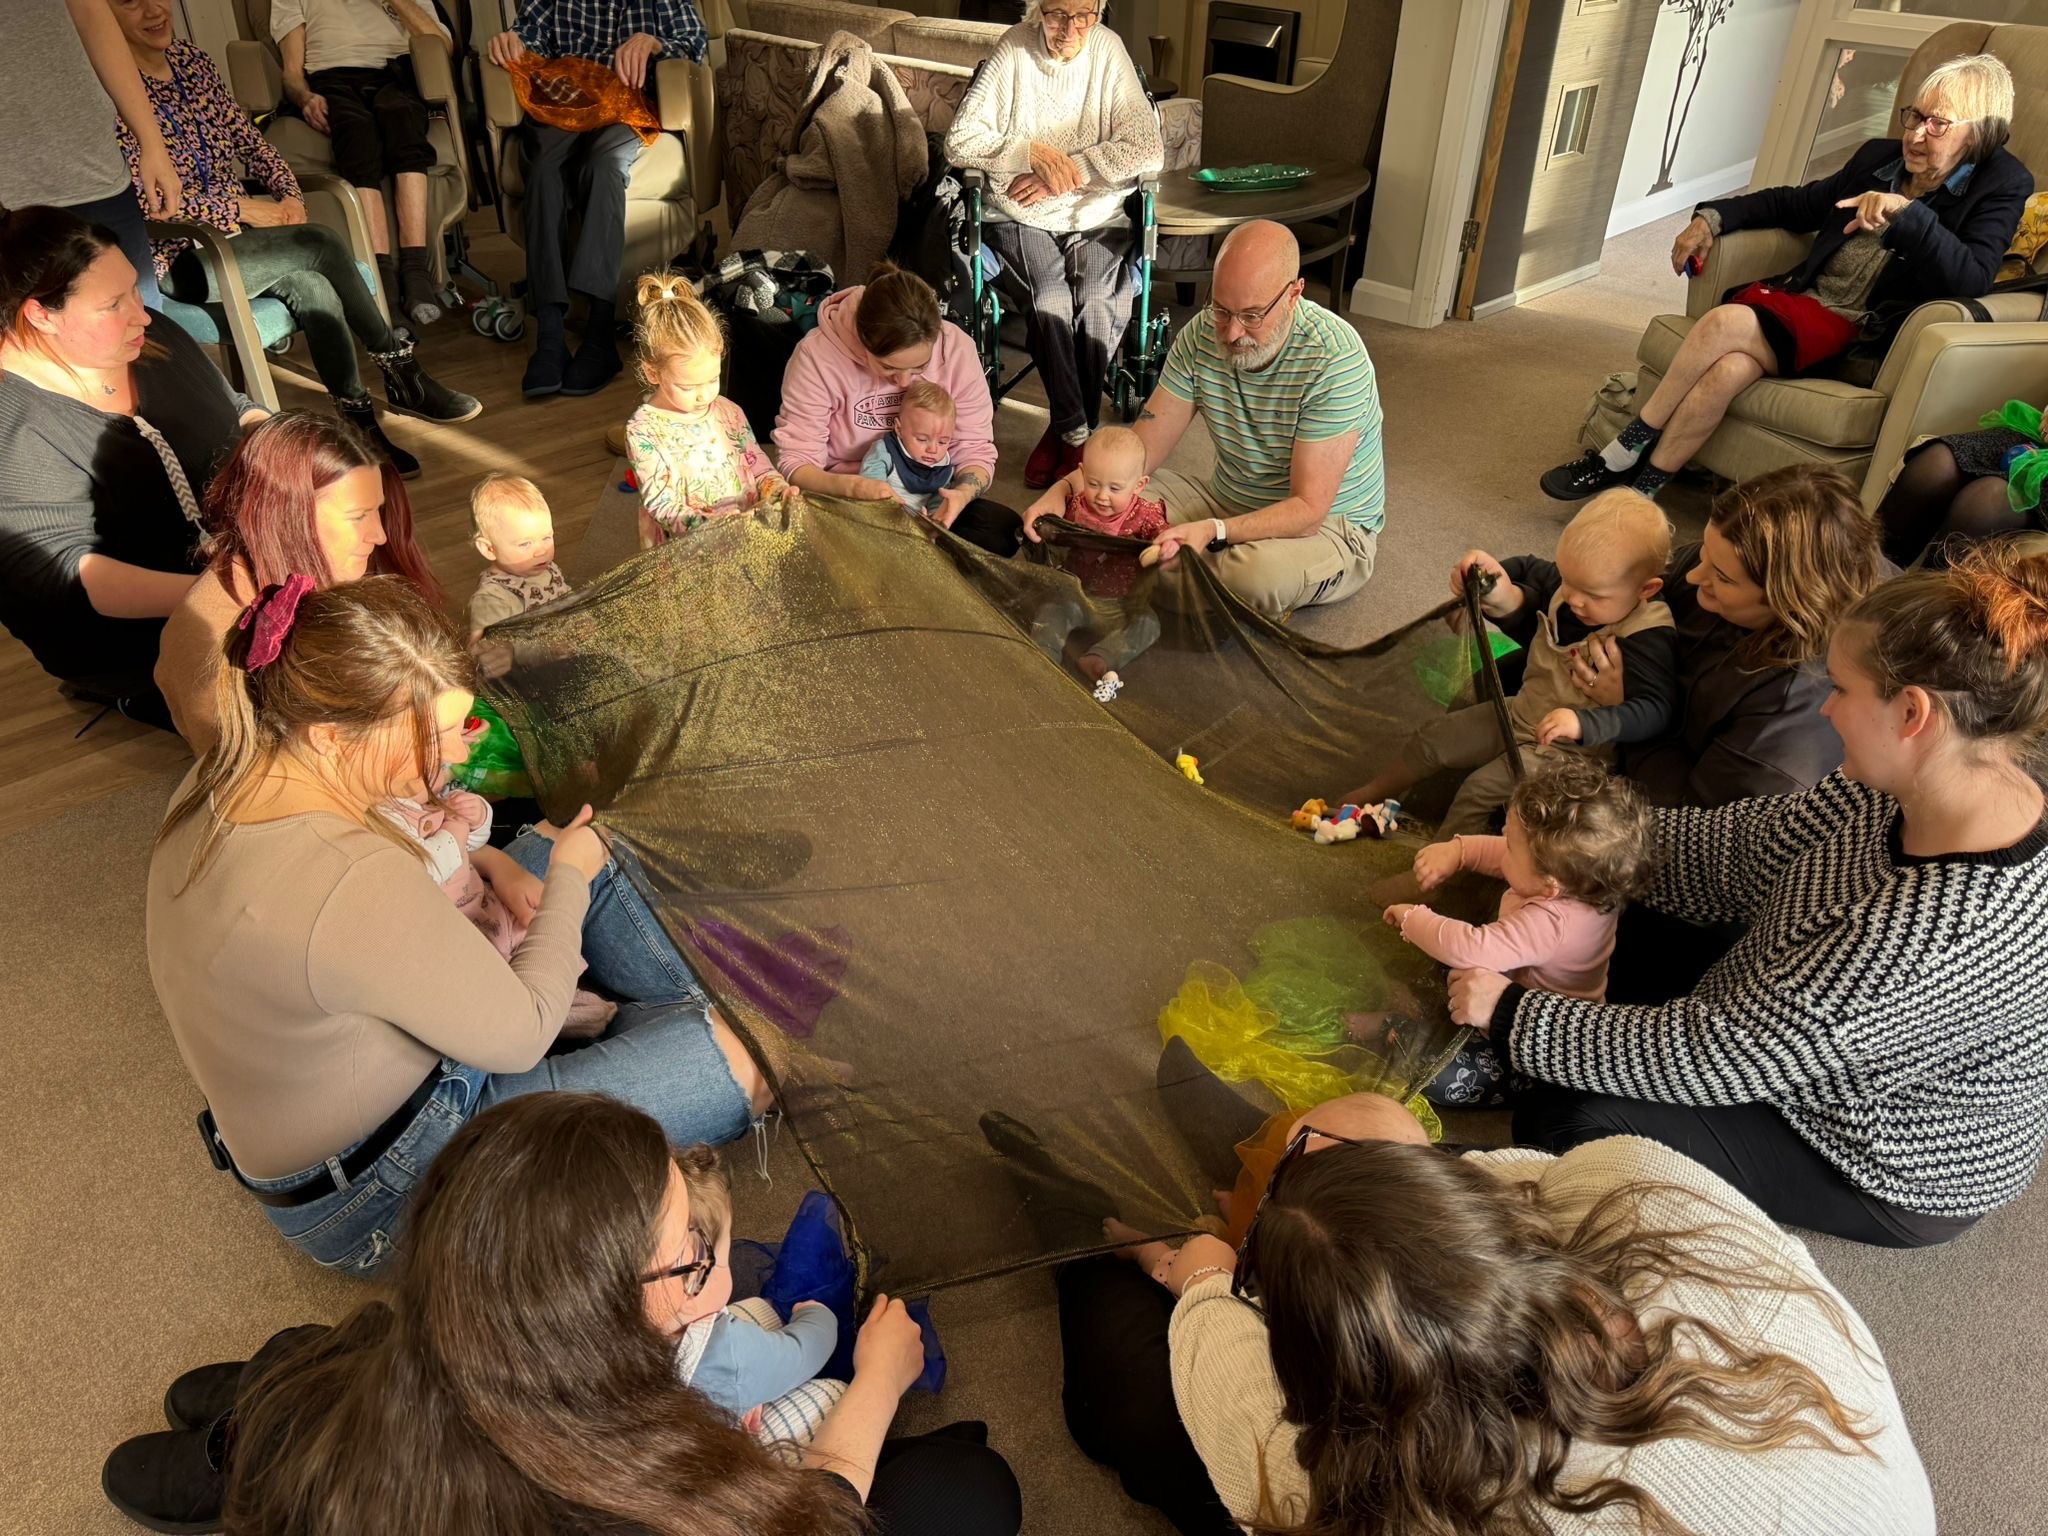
1514, 1344
340, 1015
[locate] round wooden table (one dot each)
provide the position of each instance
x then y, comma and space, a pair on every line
1188, 207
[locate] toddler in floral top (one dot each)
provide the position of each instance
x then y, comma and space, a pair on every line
691, 448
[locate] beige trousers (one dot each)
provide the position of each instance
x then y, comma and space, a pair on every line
1276, 576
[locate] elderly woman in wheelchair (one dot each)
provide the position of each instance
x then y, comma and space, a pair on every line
1924, 216
1059, 122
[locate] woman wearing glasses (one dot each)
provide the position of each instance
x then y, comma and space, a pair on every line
1059, 120
525, 1375
1511, 1342
1925, 216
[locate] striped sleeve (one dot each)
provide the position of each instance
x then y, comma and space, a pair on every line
1715, 866
1344, 398
1180, 374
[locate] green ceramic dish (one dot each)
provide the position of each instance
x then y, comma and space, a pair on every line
1253, 178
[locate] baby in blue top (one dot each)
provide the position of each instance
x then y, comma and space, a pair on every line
914, 458
740, 1354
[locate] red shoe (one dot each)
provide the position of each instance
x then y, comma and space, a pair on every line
1038, 469
1070, 460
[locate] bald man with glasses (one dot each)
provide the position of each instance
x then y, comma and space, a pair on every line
1292, 512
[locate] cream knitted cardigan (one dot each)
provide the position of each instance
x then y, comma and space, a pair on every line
1229, 1399
1091, 106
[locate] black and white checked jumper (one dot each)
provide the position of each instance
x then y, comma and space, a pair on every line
1893, 1009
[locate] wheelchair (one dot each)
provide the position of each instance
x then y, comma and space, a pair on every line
970, 296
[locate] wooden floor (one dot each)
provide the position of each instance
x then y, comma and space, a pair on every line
53, 757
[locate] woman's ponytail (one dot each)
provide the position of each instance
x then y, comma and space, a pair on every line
1976, 637
355, 657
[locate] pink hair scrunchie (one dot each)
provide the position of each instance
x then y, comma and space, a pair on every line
273, 613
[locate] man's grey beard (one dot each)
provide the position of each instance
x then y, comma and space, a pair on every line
1252, 359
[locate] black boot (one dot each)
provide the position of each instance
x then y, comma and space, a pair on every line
597, 361
543, 375
174, 1480
412, 392
203, 1394
361, 413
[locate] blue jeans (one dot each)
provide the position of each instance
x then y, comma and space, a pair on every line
624, 945
122, 215
661, 1058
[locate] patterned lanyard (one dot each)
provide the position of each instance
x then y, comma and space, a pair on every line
174, 471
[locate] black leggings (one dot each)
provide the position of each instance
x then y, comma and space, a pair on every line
1934, 506
1118, 1391
308, 269
1749, 1145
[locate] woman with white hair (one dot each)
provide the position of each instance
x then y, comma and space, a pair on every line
1924, 216
1058, 119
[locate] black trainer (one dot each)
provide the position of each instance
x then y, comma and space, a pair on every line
596, 364
1585, 476
170, 1481
202, 1395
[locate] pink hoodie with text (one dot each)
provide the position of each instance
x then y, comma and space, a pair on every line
834, 409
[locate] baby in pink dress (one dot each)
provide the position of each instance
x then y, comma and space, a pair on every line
487, 885
1577, 845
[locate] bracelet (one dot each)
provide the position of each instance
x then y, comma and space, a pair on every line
1202, 1273
1222, 530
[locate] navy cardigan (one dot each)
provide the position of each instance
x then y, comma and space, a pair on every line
1947, 245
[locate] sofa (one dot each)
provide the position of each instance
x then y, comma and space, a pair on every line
1944, 369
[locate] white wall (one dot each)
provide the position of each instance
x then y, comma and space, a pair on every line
1726, 128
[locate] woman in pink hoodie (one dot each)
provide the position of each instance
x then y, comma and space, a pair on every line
843, 387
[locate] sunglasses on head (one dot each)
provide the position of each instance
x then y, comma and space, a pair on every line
1241, 1272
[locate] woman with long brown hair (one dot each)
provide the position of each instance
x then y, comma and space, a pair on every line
522, 1379
339, 1013
301, 492
1514, 1344
1753, 602
1870, 1059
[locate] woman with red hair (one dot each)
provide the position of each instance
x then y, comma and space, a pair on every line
301, 493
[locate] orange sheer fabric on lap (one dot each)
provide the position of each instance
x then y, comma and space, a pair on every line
580, 96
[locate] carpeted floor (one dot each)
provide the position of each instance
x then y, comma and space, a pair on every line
124, 1258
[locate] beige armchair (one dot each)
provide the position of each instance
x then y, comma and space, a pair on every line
256, 72
1943, 369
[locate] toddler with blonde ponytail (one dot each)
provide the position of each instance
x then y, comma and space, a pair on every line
691, 448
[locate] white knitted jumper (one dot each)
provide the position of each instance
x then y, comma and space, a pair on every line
1229, 1399
1091, 107
1890, 1007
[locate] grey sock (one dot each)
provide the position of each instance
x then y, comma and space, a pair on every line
1628, 449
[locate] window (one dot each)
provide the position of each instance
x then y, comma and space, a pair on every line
1574, 121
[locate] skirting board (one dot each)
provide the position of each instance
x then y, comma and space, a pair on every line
1374, 300
1535, 291
1639, 211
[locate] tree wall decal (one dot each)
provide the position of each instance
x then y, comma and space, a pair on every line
1701, 17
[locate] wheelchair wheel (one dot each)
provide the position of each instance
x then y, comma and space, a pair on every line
510, 324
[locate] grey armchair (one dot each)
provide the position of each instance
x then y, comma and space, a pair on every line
1336, 116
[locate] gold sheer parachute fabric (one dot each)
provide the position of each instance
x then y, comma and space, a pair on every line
954, 902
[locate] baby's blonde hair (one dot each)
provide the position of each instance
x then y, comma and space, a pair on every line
500, 492
1119, 440
924, 395
673, 322
1625, 522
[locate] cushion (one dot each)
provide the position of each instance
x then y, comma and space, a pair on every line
1822, 411
944, 40
207, 323
816, 20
